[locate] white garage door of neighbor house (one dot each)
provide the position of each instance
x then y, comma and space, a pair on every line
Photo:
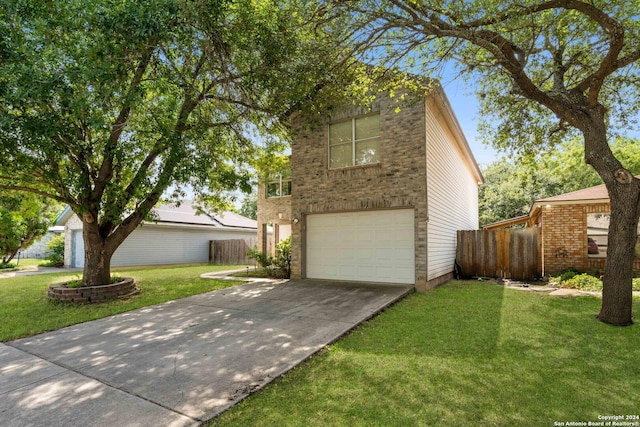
376, 246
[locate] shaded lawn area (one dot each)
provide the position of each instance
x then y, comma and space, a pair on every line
467, 353
26, 311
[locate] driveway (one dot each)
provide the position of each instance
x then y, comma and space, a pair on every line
182, 362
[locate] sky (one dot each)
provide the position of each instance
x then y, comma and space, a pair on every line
465, 106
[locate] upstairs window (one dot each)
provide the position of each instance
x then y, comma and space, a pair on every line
279, 187
354, 142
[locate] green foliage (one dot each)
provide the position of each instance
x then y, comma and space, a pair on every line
573, 279
56, 245
249, 207
24, 218
107, 106
283, 257
7, 265
513, 184
278, 265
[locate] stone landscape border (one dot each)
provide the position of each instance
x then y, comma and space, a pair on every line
92, 294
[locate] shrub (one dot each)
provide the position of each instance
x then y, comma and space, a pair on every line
278, 265
6, 265
567, 274
583, 282
56, 247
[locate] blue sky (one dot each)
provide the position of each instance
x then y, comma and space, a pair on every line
465, 106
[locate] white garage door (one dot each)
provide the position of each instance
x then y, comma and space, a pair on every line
375, 246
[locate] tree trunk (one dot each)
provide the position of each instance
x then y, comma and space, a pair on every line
624, 197
617, 293
97, 256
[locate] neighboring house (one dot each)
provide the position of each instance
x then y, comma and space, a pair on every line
574, 230
179, 236
375, 194
39, 248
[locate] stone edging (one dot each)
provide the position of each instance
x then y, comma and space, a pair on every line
90, 294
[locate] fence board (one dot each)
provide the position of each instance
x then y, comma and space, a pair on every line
230, 251
508, 254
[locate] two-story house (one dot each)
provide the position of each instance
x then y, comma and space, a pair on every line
376, 194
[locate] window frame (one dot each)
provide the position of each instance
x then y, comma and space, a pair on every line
353, 142
602, 248
279, 182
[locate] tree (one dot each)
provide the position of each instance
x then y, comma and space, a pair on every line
513, 184
249, 207
544, 67
106, 105
24, 218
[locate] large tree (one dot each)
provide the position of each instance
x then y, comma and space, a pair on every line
544, 67
24, 218
110, 105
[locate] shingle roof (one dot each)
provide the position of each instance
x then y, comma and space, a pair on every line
187, 214
591, 193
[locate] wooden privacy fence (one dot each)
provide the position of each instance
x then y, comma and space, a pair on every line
230, 251
508, 254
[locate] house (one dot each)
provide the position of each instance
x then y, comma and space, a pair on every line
375, 194
574, 228
178, 236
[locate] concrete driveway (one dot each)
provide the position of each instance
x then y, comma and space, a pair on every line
182, 362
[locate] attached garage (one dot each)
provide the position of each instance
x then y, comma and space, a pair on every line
371, 246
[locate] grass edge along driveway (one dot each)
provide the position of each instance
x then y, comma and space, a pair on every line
26, 310
466, 353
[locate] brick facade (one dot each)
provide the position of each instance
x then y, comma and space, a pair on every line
398, 181
275, 211
564, 236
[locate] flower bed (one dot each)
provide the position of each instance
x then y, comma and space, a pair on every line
90, 294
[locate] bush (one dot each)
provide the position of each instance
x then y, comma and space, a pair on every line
56, 247
6, 265
278, 265
583, 282
567, 274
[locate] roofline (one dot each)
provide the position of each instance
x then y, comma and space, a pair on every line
540, 203
506, 222
198, 226
64, 216
67, 213
452, 120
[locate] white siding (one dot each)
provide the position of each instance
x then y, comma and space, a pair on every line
452, 196
152, 244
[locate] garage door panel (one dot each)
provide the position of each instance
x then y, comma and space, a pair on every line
362, 246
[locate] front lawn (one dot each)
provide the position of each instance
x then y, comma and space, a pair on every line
26, 310
465, 354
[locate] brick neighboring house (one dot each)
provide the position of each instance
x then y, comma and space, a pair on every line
375, 194
574, 230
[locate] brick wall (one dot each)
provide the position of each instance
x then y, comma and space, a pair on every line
564, 235
398, 181
275, 210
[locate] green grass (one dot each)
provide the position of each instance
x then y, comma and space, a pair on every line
26, 310
466, 353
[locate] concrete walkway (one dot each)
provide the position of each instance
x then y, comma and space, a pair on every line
182, 362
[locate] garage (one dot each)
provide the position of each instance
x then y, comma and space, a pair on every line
371, 246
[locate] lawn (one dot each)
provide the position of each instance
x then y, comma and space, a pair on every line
26, 311
465, 354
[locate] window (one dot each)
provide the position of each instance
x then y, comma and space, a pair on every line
354, 142
597, 235
279, 187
